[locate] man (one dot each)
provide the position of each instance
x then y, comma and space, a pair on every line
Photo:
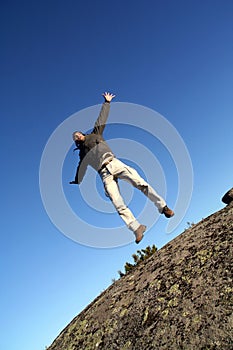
94, 151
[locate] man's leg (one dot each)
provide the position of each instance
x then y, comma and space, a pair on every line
113, 192
131, 175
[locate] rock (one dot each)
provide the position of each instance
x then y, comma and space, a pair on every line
228, 197
179, 298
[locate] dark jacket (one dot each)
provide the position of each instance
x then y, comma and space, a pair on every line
94, 147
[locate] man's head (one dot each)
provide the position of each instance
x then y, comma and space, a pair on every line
78, 136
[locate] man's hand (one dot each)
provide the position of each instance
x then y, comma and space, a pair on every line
108, 97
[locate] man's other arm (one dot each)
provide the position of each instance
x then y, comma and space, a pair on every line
103, 116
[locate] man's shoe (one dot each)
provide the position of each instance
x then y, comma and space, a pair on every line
139, 233
168, 212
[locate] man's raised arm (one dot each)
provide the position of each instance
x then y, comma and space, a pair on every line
103, 116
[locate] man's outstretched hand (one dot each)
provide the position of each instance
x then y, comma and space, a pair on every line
108, 97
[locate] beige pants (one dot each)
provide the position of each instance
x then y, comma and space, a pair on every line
118, 170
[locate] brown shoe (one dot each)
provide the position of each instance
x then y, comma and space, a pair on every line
168, 212
139, 233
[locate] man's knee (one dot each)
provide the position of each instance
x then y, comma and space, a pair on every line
143, 188
119, 205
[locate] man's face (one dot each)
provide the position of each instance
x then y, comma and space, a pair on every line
78, 136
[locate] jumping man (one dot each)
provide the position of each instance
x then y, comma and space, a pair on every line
94, 151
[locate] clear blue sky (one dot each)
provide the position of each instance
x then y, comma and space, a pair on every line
57, 57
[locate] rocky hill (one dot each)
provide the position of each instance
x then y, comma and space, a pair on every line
180, 298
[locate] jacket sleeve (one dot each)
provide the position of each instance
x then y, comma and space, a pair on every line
102, 118
80, 172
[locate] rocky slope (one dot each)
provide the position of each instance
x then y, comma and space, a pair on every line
180, 298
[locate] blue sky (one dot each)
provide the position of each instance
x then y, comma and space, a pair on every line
57, 57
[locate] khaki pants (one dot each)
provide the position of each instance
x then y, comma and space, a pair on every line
118, 170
